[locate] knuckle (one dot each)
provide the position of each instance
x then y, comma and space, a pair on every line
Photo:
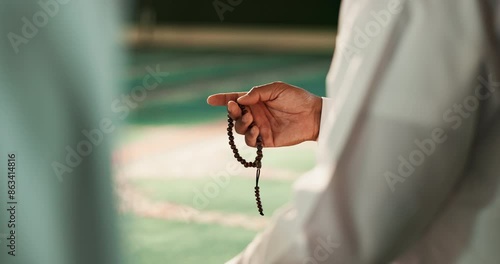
232, 115
254, 89
247, 118
239, 130
248, 140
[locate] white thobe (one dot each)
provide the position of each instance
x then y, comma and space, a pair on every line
408, 169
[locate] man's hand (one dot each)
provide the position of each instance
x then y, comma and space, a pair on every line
282, 114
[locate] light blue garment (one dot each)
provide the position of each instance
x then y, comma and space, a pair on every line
59, 62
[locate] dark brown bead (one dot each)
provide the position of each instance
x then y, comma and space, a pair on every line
255, 164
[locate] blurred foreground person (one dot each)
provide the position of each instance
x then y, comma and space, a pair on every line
408, 169
58, 75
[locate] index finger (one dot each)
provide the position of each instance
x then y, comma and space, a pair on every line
222, 99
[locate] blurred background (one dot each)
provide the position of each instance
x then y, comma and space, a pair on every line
182, 196
107, 113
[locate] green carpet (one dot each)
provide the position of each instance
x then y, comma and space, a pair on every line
154, 241
189, 77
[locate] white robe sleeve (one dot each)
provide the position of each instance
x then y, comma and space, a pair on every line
326, 109
394, 142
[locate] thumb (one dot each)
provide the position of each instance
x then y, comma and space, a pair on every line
261, 93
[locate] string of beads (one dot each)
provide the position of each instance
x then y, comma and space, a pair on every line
257, 163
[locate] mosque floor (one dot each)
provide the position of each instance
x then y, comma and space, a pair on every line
181, 195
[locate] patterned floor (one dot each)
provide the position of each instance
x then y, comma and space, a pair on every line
191, 76
173, 154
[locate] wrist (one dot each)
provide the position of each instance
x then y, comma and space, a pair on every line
316, 113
